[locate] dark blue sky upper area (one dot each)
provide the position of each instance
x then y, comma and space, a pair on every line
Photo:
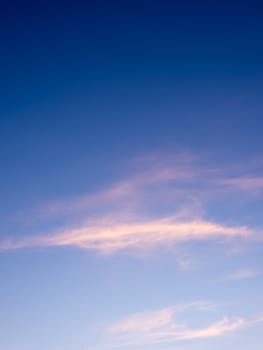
55, 47
84, 84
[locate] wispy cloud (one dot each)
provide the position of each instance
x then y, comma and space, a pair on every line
158, 205
162, 326
154, 319
157, 177
123, 192
250, 184
110, 234
242, 274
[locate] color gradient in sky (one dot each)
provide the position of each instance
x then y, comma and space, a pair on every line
131, 183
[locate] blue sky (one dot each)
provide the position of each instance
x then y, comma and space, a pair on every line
131, 175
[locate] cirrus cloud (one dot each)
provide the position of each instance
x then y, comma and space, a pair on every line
111, 234
163, 325
157, 206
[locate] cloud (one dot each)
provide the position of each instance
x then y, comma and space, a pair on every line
154, 319
157, 178
249, 184
110, 235
242, 274
124, 191
162, 326
160, 204
144, 322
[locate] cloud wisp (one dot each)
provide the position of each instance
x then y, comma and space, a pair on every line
157, 206
247, 184
163, 326
123, 192
111, 235
242, 274
170, 182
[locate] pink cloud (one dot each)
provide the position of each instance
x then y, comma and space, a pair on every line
159, 205
162, 326
244, 183
110, 235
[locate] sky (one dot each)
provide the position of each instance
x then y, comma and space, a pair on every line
131, 179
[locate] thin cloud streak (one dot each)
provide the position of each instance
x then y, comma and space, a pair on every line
176, 178
111, 235
162, 326
243, 274
249, 184
121, 191
154, 319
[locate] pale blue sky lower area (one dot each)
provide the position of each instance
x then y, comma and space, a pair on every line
167, 257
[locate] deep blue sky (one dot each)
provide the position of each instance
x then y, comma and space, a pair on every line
99, 102
85, 79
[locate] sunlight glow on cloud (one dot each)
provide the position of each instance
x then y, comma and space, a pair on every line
110, 236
